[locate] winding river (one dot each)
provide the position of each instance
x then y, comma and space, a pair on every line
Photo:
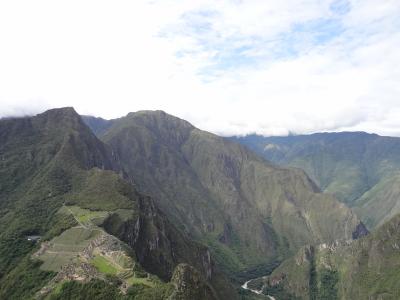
258, 292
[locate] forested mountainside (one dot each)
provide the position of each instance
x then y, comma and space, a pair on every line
72, 226
364, 269
360, 169
251, 213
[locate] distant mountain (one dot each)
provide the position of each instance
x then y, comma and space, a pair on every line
73, 227
364, 269
360, 169
250, 212
97, 125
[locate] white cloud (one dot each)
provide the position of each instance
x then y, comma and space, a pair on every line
230, 67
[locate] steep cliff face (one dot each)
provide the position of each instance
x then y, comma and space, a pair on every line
160, 247
53, 161
247, 210
190, 285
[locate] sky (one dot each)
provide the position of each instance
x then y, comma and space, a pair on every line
230, 67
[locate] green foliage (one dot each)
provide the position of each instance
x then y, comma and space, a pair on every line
98, 187
58, 224
255, 272
137, 289
279, 292
249, 295
12, 248
328, 284
313, 281
24, 281
95, 289
107, 290
143, 292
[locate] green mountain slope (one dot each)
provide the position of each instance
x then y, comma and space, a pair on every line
250, 212
381, 202
99, 237
360, 169
364, 269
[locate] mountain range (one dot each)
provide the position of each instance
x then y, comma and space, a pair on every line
248, 211
147, 206
359, 169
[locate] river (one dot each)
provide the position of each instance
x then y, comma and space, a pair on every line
258, 292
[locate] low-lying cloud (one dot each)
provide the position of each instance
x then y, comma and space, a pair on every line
230, 67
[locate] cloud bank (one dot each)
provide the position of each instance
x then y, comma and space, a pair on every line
229, 67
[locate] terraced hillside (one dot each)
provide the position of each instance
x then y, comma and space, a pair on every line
86, 252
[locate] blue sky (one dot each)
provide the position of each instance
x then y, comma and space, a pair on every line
230, 67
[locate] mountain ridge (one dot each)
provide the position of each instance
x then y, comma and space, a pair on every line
167, 155
351, 165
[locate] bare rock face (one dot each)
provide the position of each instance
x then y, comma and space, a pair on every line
360, 231
189, 284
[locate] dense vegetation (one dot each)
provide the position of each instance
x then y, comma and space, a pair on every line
328, 289
24, 281
96, 289
364, 269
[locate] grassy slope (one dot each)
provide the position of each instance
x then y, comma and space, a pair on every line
381, 202
248, 211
